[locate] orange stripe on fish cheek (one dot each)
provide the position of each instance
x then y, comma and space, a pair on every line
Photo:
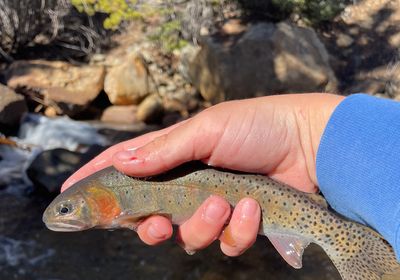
104, 203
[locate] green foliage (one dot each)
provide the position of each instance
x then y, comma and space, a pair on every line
312, 11
168, 34
117, 10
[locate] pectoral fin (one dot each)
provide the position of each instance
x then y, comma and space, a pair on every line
129, 219
290, 247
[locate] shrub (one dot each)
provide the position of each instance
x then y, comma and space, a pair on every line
116, 10
47, 29
312, 12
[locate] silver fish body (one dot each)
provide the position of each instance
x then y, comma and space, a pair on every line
290, 219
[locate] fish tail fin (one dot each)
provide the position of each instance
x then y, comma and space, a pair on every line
363, 254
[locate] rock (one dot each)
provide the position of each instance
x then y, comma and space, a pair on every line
150, 109
50, 112
365, 36
266, 59
12, 107
233, 27
70, 87
52, 167
373, 15
129, 82
120, 114
344, 40
187, 56
384, 80
171, 119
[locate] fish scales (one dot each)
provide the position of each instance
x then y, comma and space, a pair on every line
290, 219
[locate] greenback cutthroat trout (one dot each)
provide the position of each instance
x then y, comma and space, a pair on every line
290, 219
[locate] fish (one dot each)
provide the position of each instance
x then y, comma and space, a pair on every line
291, 219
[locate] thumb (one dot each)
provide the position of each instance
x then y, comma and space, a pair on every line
191, 141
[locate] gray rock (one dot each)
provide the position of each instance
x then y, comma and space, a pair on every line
52, 167
186, 58
266, 59
12, 107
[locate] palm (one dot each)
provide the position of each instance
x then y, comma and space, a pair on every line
256, 138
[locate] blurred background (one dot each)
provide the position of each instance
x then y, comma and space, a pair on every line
77, 76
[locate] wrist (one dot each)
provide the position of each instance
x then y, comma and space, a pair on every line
313, 112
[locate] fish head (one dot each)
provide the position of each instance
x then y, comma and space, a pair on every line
69, 211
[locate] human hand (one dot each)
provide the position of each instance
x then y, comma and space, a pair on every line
276, 135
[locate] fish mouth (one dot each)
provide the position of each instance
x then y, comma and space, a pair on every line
66, 227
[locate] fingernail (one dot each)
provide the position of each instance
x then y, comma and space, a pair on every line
249, 209
155, 233
214, 213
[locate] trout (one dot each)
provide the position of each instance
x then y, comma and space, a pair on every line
291, 219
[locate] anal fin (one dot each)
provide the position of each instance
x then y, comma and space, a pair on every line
290, 247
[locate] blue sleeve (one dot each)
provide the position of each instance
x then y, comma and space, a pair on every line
358, 163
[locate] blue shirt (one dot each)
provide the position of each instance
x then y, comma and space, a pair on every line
358, 163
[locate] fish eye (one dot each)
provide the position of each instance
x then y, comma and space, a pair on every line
65, 209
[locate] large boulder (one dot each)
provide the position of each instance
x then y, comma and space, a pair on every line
266, 59
12, 107
68, 87
129, 82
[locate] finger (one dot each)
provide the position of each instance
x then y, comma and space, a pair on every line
193, 140
205, 225
155, 230
104, 159
243, 228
